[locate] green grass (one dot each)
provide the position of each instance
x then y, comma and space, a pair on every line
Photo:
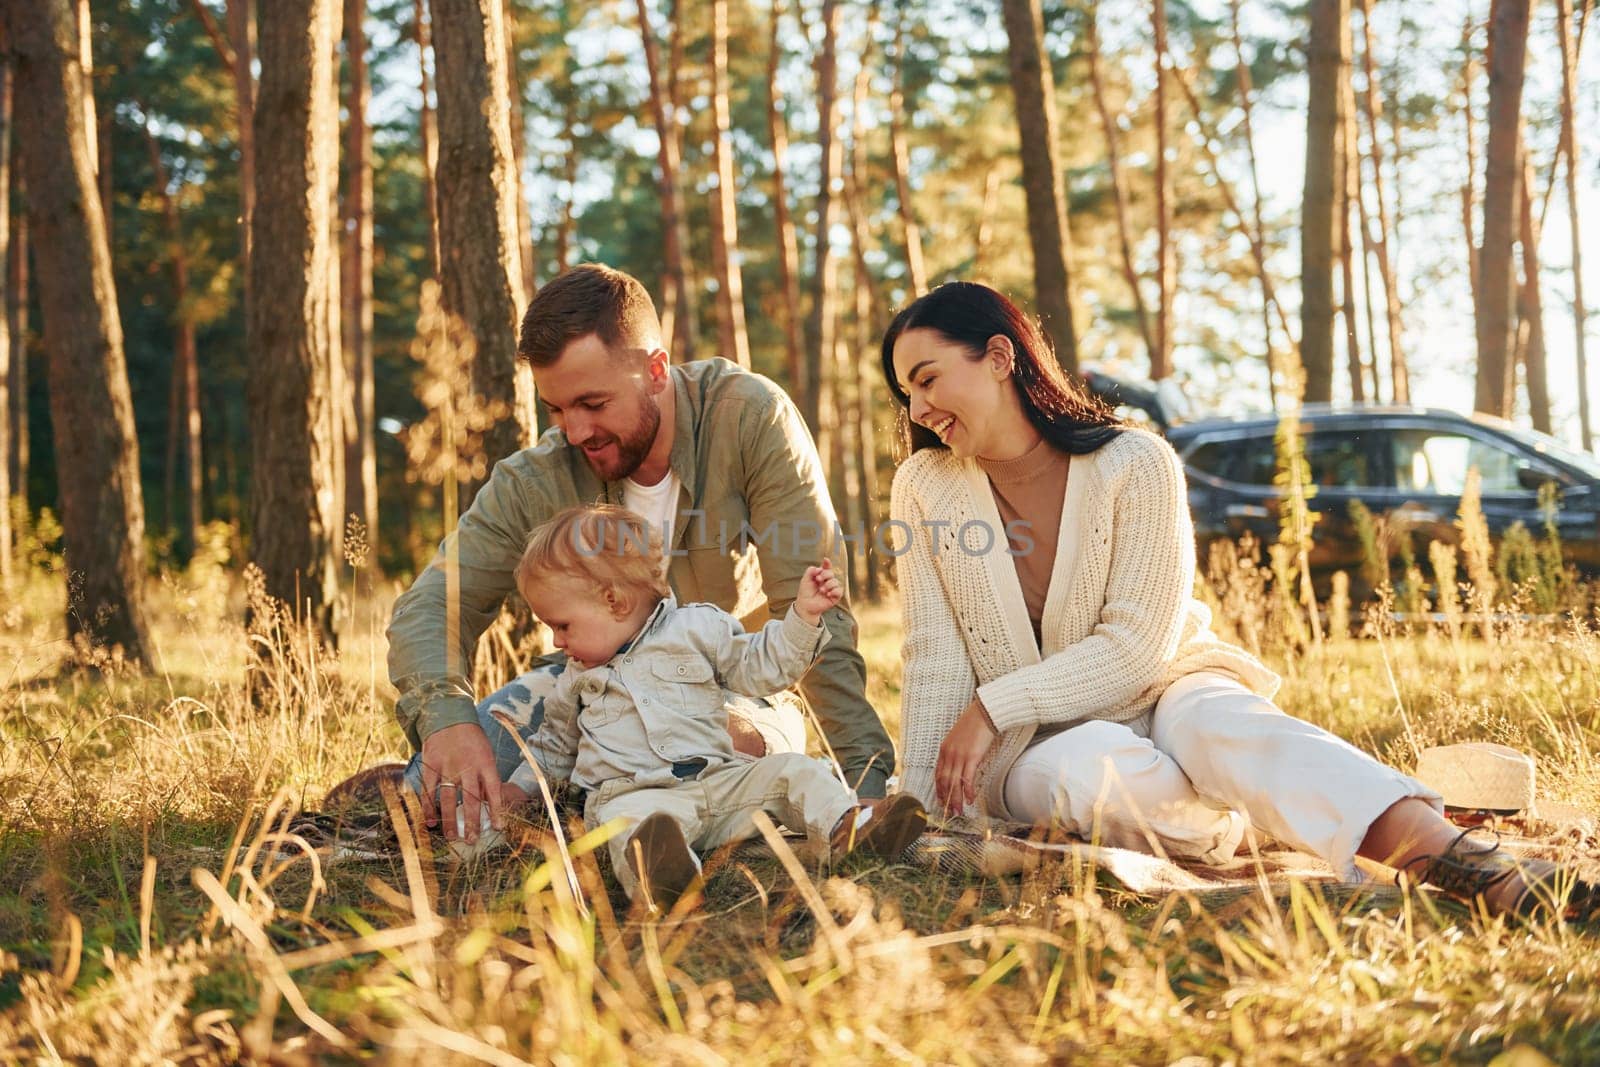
104, 776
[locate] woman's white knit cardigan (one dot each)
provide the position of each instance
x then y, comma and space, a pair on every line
1120, 620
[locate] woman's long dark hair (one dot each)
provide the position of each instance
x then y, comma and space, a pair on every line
969, 314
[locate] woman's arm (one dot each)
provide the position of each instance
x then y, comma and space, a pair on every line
1148, 587
938, 679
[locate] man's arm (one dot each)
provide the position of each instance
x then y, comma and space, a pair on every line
432, 635
437, 622
787, 495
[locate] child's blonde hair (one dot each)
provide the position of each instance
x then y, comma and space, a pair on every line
609, 547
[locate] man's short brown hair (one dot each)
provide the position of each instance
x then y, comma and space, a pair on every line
589, 298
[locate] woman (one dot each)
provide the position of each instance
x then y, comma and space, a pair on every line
1058, 669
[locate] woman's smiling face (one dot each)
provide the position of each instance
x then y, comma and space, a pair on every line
970, 404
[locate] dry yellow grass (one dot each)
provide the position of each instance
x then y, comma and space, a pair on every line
151, 908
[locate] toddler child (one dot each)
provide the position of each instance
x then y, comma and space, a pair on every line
637, 719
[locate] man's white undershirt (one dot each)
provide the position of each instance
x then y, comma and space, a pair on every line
657, 503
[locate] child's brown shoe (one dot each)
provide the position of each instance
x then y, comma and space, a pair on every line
885, 829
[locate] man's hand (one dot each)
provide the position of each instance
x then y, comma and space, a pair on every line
955, 776
820, 589
458, 767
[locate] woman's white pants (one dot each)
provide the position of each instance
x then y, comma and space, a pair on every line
1189, 777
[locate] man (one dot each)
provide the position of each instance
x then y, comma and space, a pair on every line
707, 452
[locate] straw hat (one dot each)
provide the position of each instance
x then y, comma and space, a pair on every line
1478, 775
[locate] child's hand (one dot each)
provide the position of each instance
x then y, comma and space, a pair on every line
511, 797
820, 589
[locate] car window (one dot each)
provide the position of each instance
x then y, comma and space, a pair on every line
1429, 461
1255, 460
1338, 460
1210, 458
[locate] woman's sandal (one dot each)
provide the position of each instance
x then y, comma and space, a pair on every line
1468, 876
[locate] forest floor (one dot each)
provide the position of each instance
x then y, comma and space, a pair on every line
151, 911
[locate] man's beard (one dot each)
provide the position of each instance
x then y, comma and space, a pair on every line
631, 450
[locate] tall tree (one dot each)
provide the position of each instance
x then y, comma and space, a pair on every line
1372, 110
242, 33
1530, 302
1569, 148
91, 409
732, 338
16, 312
1349, 193
1259, 229
782, 221
5, 327
1469, 199
481, 269
360, 460
1327, 61
429, 129
291, 349
1033, 87
916, 271
820, 321
686, 326
1508, 51
1166, 266
1119, 183
184, 422
672, 279
519, 139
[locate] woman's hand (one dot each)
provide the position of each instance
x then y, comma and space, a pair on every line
955, 776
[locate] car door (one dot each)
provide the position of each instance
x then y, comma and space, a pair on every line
1343, 466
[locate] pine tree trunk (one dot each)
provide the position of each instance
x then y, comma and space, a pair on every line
16, 312
1258, 236
672, 281
1530, 303
1166, 267
6, 539
985, 235
429, 132
1372, 107
482, 272
783, 222
294, 450
1033, 87
820, 322
916, 270
1327, 62
242, 33
1569, 143
185, 409
859, 369
1508, 51
856, 175
360, 462
1119, 185
1348, 191
519, 139
686, 325
1469, 201
91, 408
732, 337
566, 231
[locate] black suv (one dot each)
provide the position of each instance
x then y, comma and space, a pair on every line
1408, 463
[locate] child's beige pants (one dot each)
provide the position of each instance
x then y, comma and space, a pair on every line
714, 807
